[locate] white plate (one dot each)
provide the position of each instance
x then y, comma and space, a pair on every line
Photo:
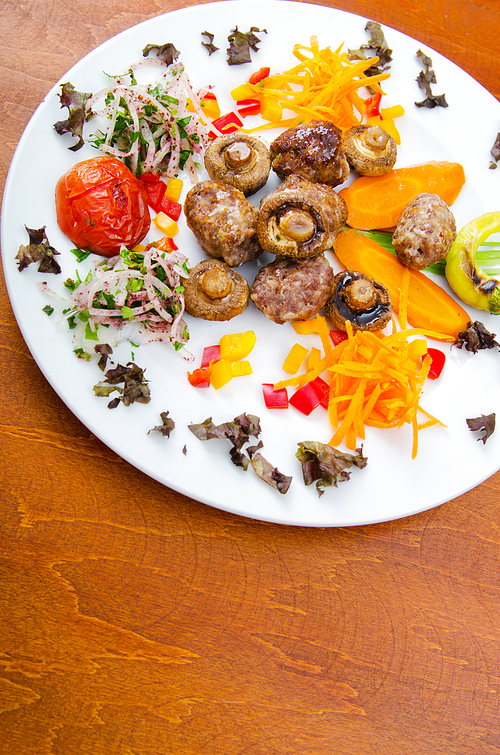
449, 462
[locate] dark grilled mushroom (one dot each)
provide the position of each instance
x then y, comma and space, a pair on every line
370, 150
287, 290
240, 160
214, 291
311, 150
223, 221
359, 299
300, 219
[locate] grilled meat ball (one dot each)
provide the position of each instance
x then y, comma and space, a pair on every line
288, 290
425, 232
312, 150
299, 218
223, 221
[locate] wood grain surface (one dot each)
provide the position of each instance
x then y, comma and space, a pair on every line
135, 621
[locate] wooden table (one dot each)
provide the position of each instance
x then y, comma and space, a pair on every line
156, 625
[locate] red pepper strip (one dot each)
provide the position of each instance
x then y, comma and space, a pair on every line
150, 177
199, 377
208, 96
248, 107
338, 336
373, 105
275, 399
155, 191
311, 395
437, 364
210, 354
227, 123
171, 208
262, 73
166, 244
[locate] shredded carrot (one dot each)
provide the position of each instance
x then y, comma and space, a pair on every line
323, 86
376, 380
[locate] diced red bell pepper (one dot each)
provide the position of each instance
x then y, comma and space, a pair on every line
437, 364
373, 105
199, 377
310, 395
248, 107
228, 123
338, 336
171, 208
155, 191
210, 354
262, 73
274, 399
166, 244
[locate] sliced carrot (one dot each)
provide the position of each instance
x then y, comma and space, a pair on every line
375, 202
428, 305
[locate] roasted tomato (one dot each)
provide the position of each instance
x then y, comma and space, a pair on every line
101, 206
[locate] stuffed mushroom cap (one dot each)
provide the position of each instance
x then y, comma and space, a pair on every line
239, 159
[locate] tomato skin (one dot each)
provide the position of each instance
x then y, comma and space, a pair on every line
101, 206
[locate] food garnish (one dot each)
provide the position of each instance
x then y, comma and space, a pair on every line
241, 44
376, 48
38, 250
166, 427
238, 432
424, 79
222, 362
167, 53
210, 44
325, 465
466, 279
374, 380
495, 152
485, 423
323, 86
135, 386
429, 306
476, 337
76, 102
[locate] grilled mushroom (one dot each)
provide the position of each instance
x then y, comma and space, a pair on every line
370, 150
223, 221
359, 299
214, 291
312, 150
240, 160
299, 218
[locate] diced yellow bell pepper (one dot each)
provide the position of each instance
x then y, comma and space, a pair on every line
241, 368
270, 109
221, 373
139, 248
236, 346
166, 225
417, 348
305, 327
387, 125
243, 92
210, 108
295, 358
173, 189
389, 113
313, 358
